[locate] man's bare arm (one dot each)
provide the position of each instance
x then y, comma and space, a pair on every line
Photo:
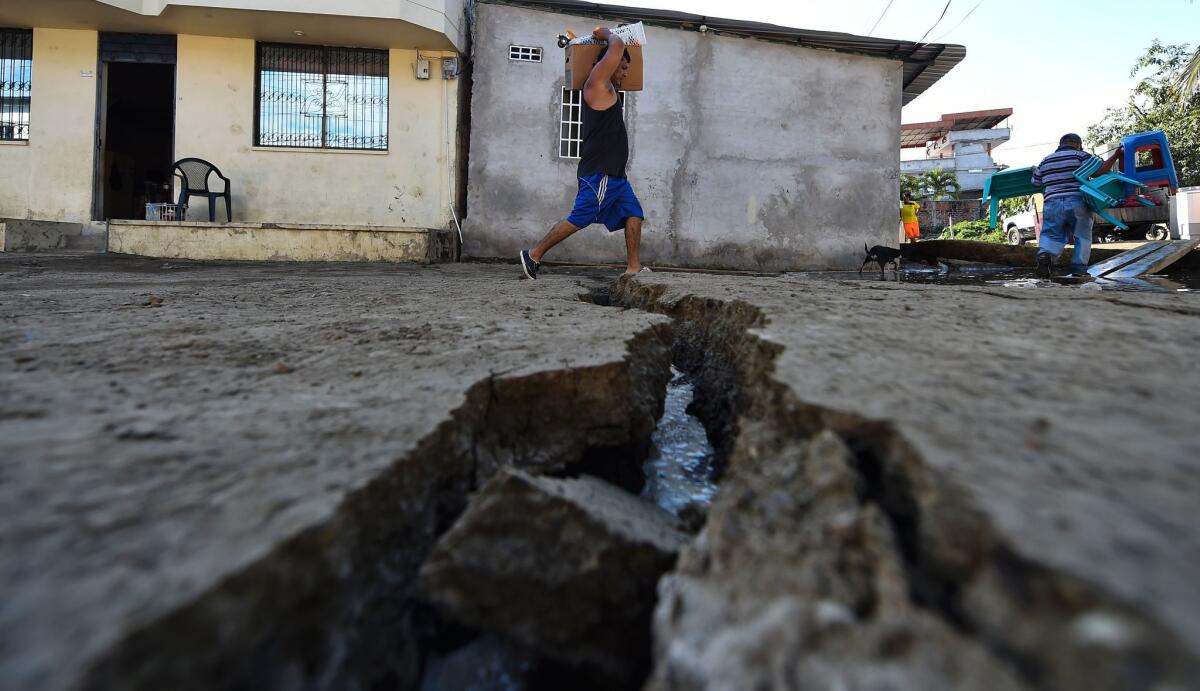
1108, 163
598, 91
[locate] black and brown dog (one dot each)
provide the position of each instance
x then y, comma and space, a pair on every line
882, 255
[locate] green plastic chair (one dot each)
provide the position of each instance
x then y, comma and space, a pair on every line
1105, 191
1014, 182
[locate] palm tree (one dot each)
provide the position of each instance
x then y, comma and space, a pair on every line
939, 183
910, 187
1189, 77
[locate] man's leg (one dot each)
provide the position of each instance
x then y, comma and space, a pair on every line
1053, 237
633, 244
1083, 238
561, 231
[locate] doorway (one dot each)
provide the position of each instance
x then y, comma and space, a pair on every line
136, 124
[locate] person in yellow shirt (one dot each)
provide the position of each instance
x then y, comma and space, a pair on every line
908, 216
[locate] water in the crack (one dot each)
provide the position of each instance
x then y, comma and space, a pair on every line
485, 664
679, 468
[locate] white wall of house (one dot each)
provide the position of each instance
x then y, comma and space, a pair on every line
412, 184
49, 177
966, 153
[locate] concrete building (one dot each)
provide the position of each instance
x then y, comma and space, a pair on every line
752, 146
961, 143
316, 111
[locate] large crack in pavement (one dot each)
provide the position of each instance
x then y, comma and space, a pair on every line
889, 570
334, 606
184, 515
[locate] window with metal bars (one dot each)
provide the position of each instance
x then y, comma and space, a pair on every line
321, 97
525, 53
16, 83
570, 133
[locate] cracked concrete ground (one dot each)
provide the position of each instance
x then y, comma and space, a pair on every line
166, 427
1043, 439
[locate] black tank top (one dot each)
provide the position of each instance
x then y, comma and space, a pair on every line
605, 148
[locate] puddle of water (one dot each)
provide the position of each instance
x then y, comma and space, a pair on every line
679, 468
1006, 276
485, 664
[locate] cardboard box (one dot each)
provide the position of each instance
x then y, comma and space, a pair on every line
581, 59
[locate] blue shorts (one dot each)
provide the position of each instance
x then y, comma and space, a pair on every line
605, 199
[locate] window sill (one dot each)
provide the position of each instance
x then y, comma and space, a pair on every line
16, 142
302, 150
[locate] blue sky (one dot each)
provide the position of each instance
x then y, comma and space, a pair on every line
1057, 63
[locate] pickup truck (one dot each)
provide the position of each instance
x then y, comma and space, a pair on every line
1143, 222
1023, 225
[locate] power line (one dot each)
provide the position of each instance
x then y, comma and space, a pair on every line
960, 22
939, 21
876, 24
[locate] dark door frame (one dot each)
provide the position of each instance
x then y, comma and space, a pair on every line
161, 49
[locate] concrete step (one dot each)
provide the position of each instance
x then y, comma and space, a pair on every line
95, 243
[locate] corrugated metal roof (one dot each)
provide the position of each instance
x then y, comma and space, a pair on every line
924, 63
918, 133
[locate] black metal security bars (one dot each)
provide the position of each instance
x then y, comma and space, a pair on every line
321, 97
16, 83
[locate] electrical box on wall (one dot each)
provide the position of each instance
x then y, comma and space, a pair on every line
449, 68
422, 67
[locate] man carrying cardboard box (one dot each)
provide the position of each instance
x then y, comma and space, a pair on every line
605, 195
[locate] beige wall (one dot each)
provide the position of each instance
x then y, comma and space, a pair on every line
50, 178
410, 185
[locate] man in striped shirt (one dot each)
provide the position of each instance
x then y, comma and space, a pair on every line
1064, 213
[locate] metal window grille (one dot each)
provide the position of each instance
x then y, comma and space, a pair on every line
525, 53
570, 134
321, 97
569, 138
16, 83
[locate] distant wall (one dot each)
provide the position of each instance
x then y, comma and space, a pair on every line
745, 154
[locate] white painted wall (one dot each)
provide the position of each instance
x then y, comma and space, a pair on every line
745, 154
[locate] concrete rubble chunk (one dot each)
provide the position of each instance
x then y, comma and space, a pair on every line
796, 583
564, 567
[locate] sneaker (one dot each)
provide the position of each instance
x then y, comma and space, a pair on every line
529, 266
1078, 272
1044, 263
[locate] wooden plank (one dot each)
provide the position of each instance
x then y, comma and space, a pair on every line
1127, 257
1139, 284
1156, 261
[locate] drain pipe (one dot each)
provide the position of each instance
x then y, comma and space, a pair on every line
449, 173
454, 215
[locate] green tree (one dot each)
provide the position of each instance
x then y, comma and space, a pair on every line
1159, 102
939, 184
910, 186
1189, 77
1012, 206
